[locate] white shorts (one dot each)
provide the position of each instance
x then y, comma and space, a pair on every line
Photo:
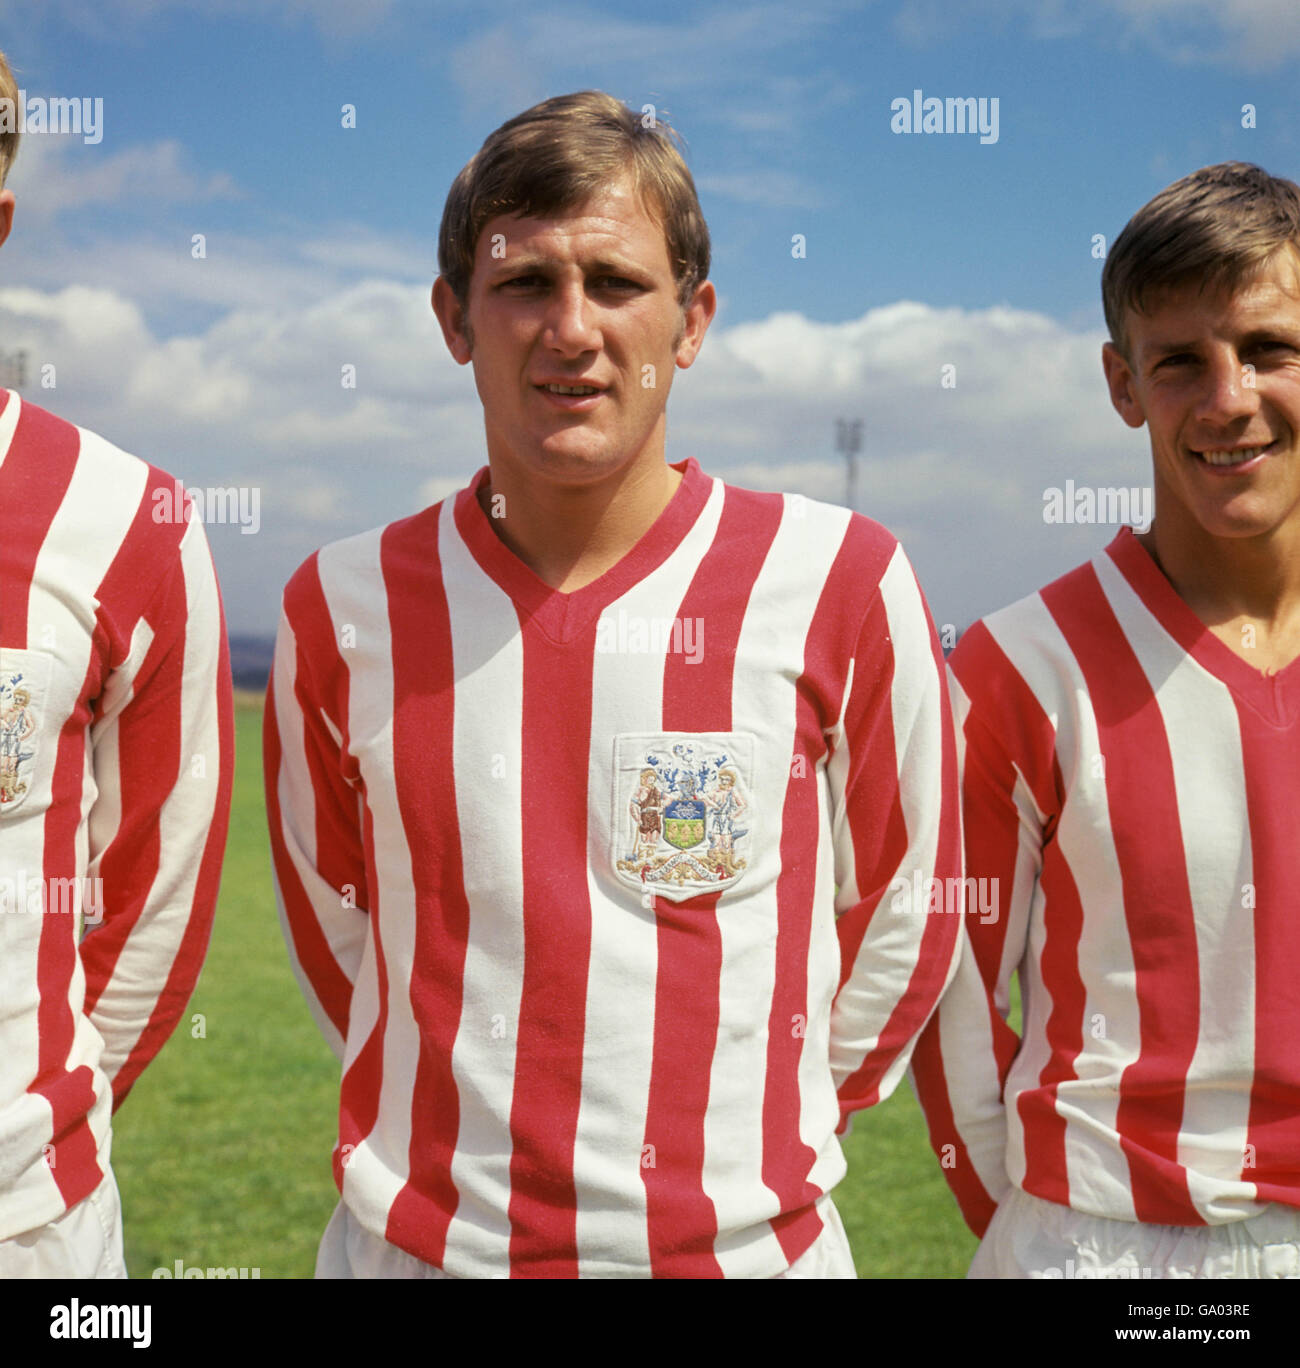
347, 1250
85, 1242
1031, 1238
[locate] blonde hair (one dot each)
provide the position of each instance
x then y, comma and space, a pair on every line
8, 127
1214, 228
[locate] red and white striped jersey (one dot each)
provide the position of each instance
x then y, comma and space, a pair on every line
116, 753
1131, 801
559, 876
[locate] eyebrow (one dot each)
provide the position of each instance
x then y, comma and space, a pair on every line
542, 265
1283, 331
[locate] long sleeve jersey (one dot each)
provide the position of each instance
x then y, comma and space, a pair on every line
116, 752
1131, 801
606, 899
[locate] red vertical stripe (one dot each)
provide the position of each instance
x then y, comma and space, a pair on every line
70, 1095
144, 734
149, 747
680, 1216
313, 633
557, 950
1143, 809
819, 694
363, 1083
880, 841
1273, 802
424, 690
1046, 1172
992, 837
874, 808
31, 491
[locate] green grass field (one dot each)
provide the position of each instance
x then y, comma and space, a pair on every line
222, 1150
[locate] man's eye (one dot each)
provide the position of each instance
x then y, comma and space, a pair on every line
1177, 359
523, 282
615, 283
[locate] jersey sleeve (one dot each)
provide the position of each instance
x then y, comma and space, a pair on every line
314, 810
896, 830
961, 1064
162, 751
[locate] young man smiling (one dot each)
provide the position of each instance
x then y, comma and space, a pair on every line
1132, 785
593, 1022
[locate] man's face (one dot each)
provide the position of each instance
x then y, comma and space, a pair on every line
582, 301
1216, 378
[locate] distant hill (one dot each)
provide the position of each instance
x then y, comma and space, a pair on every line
250, 661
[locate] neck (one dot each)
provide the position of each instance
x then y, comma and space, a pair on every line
1228, 578
569, 536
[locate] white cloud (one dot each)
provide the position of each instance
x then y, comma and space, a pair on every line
1245, 34
256, 397
53, 174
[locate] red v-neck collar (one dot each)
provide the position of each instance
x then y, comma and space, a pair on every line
1275, 697
563, 616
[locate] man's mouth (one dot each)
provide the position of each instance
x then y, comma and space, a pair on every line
1231, 456
571, 389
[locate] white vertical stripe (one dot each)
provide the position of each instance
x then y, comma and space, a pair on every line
618, 1047
763, 699
86, 533
488, 657
8, 422
144, 965
1097, 1171
297, 799
916, 711
352, 580
1201, 723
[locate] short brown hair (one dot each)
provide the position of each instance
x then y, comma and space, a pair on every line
1215, 227
8, 127
554, 157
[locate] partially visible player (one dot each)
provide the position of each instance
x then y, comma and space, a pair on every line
563, 775
1131, 793
116, 752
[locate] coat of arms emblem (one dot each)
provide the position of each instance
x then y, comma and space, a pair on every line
18, 726
684, 818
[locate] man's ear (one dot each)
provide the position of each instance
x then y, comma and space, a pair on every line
696, 318
6, 213
1120, 382
451, 317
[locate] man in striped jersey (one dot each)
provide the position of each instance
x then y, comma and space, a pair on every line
116, 751
1131, 789
591, 788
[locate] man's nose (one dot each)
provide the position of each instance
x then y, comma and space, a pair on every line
1229, 390
570, 321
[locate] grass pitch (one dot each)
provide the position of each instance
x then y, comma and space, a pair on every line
222, 1149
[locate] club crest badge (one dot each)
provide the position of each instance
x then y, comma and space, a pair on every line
683, 812
19, 728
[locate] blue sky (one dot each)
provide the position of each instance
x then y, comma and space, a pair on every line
923, 250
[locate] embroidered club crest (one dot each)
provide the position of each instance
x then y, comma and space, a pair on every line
683, 812
18, 728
